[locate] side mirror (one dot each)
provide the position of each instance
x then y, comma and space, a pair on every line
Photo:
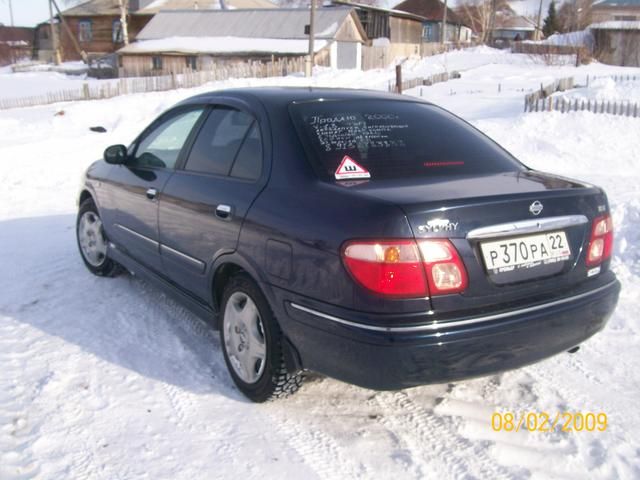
115, 154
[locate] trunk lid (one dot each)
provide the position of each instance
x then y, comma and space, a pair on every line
473, 211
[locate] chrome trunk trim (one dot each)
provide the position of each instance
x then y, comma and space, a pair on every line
526, 226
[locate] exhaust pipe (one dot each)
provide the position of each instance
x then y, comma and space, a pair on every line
574, 349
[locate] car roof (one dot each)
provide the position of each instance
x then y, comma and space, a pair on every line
282, 96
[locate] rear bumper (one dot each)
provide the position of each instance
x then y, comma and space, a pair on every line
389, 358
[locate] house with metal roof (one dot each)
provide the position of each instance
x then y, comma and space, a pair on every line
400, 32
16, 43
615, 10
432, 12
511, 28
97, 28
191, 40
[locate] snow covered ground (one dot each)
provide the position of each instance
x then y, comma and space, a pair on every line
608, 90
109, 379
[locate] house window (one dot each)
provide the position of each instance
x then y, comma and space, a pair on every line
157, 62
625, 18
427, 32
85, 33
192, 63
116, 32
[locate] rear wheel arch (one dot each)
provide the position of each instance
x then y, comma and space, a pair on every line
223, 273
225, 267
84, 195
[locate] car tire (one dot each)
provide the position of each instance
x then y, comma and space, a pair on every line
92, 241
252, 343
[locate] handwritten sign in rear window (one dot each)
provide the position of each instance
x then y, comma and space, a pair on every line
343, 131
394, 139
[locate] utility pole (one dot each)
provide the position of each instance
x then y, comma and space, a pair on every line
310, 59
538, 35
54, 37
11, 12
443, 30
80, 51
492, 20
124, 6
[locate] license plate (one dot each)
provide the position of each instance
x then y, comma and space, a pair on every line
525, 252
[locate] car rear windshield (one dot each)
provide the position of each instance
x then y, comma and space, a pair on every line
385, 139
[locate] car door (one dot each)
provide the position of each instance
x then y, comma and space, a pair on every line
138, 183
203, 204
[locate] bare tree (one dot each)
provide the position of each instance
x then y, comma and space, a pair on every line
124, 11
477, 15
575, 15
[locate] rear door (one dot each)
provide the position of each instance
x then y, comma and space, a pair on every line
204, 203
137, 184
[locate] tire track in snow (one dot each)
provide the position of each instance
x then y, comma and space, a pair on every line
434, 440
318, 449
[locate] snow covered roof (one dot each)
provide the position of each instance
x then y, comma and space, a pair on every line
222, 45
157, 5
616, 25
110, 7
429, 9
617, 3
513, 22
393, 12
16, 36
280, 23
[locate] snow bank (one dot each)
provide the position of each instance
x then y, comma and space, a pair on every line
195, 45
606, 89
582, 38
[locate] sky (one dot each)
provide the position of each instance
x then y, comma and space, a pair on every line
28, 13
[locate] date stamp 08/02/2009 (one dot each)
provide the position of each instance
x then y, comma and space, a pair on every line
547, 423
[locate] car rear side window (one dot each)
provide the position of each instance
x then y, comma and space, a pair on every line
221, 141
248, 163
385, 139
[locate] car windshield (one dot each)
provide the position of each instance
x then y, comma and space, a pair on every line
385, 139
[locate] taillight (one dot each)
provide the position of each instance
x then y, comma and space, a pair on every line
387, 267
404, 268
444, 267
601, 241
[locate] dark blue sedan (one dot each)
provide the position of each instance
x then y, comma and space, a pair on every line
373, 238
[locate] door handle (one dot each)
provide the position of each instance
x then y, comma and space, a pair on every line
223, 211
151, 193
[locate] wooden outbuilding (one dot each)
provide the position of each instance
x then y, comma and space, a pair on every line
192, 40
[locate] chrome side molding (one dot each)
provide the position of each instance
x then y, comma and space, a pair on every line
444, 325
138, 235
526, 226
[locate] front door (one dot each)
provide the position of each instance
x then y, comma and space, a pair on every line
203, 205
139, 182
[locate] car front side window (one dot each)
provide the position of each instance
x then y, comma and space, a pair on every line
161, 147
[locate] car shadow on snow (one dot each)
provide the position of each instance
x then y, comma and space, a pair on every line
123, 320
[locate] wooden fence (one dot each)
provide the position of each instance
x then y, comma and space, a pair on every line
123, 86
559, 104
615, 78
543, 49
423, 81
546, 90
541, 100
383, 56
